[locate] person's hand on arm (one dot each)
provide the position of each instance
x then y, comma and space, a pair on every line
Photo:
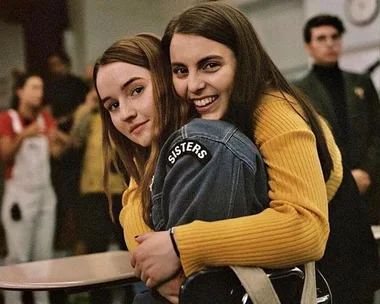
59, 142
130, 217
170, 289
155, 260
178, 199
362, 179
158, 268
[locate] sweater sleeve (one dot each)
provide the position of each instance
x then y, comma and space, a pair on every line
295, 228
292, 231
131, 216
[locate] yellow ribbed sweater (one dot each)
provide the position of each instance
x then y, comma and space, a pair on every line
292, 231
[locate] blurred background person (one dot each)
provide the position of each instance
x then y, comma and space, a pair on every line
28, 136
348, 101
64, 93
95, 229
350, 104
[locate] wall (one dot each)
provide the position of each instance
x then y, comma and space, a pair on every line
279, 25
97, 23
12, 56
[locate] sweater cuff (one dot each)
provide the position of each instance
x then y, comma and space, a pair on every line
133, 224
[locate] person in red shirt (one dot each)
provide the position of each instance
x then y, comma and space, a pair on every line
28, 136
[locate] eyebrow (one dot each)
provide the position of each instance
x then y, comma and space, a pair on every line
127, 83
200, 62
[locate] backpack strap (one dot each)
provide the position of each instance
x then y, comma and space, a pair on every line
261, 291
256, 284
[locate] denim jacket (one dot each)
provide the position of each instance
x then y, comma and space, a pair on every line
207, 170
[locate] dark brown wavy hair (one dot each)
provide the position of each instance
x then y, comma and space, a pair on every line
255, 72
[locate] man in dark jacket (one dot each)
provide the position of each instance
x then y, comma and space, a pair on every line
350, 104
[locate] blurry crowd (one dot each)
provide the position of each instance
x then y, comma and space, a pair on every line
62, 108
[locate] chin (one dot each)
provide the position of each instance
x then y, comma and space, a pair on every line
145, 143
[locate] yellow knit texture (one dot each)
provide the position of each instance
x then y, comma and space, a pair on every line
293, 231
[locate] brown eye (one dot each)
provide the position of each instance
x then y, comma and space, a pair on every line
211, 66
137, 91
112, 106
180, 71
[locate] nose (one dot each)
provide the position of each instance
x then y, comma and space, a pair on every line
330, 41
195, 83
127, 111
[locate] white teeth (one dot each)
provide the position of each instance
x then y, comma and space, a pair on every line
205, 101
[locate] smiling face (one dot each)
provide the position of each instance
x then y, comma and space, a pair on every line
325, 45
126, 92
203, 73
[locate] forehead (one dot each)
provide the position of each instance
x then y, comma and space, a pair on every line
54, 60
33, 81
185, 47
325, 30
114, 75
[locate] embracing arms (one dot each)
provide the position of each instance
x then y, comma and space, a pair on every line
293, 230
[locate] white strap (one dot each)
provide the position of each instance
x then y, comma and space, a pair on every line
261, 291
309, 292
257, 285
16, 123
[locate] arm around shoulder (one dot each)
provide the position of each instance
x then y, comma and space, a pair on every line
294, 229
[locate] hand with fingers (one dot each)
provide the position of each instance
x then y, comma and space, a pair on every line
155, 260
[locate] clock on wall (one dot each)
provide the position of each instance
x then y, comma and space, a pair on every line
361, 12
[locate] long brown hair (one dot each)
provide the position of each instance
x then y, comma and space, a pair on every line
255, 72
141, 50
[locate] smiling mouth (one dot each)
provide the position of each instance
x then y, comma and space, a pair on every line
204, 101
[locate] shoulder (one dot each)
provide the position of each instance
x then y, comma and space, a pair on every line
360, 81
80, 112
4, 116
278, 114
48, 118
47, 115
353, 74
199, 127
209, 139
5, 123
303, 81
129, 195
215, 131
278, 108
357, 76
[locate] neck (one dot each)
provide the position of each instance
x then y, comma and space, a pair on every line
326, 65
326, 68
28, 112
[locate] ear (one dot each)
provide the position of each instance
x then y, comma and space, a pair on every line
307, 47
18, 92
